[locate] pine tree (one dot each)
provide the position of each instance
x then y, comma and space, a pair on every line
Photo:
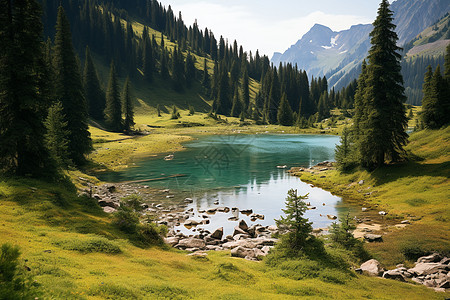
24, 97
299, 228
429, 101
222, 104
384, 133
113, 112
147, 60
245, 89
177, 70
236, 109
206, 81
360, 106
69, 90
56, 137
189, 70
273, 98
164, 67
158, 110
95, 96
284, 114
344, 153
127, 106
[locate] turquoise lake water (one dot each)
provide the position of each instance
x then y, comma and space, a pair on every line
242, 171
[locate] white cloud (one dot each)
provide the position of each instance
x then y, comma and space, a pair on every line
256, 32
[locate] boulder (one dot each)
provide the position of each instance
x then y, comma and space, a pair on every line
107, 202
243, 225
191, 223
217, 234
188, 200
371, 267
172, 241
109, 210
223, 209
247, 211
433, 258
238, 230
393, 274
241, 252
191, 243
241, 236
423, 269
373, 237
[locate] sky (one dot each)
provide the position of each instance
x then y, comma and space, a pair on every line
272, 26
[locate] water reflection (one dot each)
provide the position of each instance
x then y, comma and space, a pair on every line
243, 171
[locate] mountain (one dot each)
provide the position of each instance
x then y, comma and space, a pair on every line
338, 55
322, 50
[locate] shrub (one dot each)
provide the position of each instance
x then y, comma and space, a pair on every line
90, 245
126, 219
14, 283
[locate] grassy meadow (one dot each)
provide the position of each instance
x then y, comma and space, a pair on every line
74, 252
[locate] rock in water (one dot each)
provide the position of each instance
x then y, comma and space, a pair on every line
217, 234
243, 225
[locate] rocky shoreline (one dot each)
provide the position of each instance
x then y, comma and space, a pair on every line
254, 242
249, 242
432, 271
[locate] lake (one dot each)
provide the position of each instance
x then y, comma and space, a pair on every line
243, 171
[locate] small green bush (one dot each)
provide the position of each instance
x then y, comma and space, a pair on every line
90, 245
413, 252
14, 282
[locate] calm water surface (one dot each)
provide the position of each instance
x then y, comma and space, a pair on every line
242, 171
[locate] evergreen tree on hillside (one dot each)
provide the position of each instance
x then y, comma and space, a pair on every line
113, 111
56, 137
384, 134
177, 70
147, 60
273, 100
245, 89
222, 104
69, 90
322, 108
429, 101
189, 70
360, 106
24, 98
285, 115
95, 96
236, 109
164, 64
206, 80
127, 106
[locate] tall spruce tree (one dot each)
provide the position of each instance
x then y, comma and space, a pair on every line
223, 103
147, 59
237, 108
206, 80
69, 90
245, 89
24, 99
57, 135
127, 106
189, 70
430, 107
113, 111
284, 114
384, 134
95, 96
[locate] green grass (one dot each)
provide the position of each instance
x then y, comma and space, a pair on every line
74, 252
